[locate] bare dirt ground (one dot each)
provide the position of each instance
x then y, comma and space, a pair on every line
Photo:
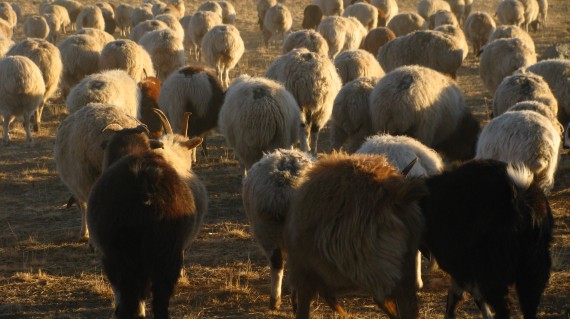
45, 272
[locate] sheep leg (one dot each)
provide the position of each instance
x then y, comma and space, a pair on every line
330, 299
27, 127
499, 301
227, 76
6, 127
455, 297
84, 232
204, 148
305, 294
531, 283
419, 282
389, 306
163, 281
277, 267
314, 138
403, 301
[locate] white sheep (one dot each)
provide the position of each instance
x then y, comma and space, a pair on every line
6, 29
166, 51
350, 120
211, 6
22, 95
376, 38
7, 13
406, 22
541, 109
531, 11
262, 7
309, 39
266, 194
314, 82
442, 17
80, 57
141, 13
353, 64
90, 16
258, 115
428, 7
158, 8
36, 26
60, 12
501, 58
457, 34
100, 35
477, 28
172, 22
424, 104
108, 16
200, 23
145, 27
5, 45
123, 17
458, 7
512, 31
432, 49
228, 12
387, 9
176, 8
73, 8
277, 21
341, 34
330, 7
54, 24
365, 13
523, 137
222, 48
510, 12
114, 87
129, 56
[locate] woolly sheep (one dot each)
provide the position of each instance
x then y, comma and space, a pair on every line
222, 48
424, 104
22, 96
525, 86
73, 8
335, 244
341, 34
432, 49
200, 23
5, 45
512, 31
60, 12
376, 38
406, 22
141, 13
314, 82
365, 13
501, 58
145, 27
48, 59
541, 109
108, 16
428, 7
510, 12
458, 9
90, 17
277, 21
100, 35
165, 49
8, 14
312, 17
442, 17
172, 23
258, 115
457, 34
36, 26
158, 8
309, 39
80, 57
387, 8
262, 7
350, 120
129, 56
523, 137
266, 194
228, 12
5, 29
176, 8
556, 73
531, 11
477, 28
123, 17
351, 65
211, 6
330, 7
54, 24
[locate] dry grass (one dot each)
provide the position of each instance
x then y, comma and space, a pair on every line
46, 273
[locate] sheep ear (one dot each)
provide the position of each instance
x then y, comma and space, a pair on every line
155, 144
193, 142
409, 167
114, 127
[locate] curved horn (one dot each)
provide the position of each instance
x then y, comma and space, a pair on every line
185, 123
409, 167
163, 120
113, 127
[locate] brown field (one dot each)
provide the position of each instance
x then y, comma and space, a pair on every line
45, 272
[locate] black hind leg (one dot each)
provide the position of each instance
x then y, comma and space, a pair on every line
498, 298
455, 296
164, 280
129, 288
530, 285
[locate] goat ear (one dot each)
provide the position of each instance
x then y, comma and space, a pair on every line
193, 142
409, 167
114, 127
155, 144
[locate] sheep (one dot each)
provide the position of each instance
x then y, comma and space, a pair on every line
457, 34
354, 224
114, 87
127, 55
314, 82
406, 22
309, 39
222, 48
6, 29
176, 8
200, 23
365, 13
55, 27
211, 6
433, 49
442, 17
258, 115
5, 45
524, 137
145, 27
172, 23
510, 12
458, 7
48, 59
330, 7
192, 89
123, 16
531, 11
477, 28
158, 8
424, 104
100, 35
8, 14
540, 108
556, 73
277, 21
312, 17
73, 9
80, 57
228, 12
488, 234
428, 7
90, 17
350, 120
22, 96
167, 210
376, 38
387, 9
141, 13
501, 58
60, 12
36, 26
262, 7
266, 195
351, 65
524, 86
512, 31
341, 34
166, 51
108, 16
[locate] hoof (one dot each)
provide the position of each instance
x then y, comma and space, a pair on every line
274, 303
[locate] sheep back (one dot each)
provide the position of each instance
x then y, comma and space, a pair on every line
351, 65
166, 51
478, 27
406, 22
36, 26
309, 39
512, 31
90, 16
127, 55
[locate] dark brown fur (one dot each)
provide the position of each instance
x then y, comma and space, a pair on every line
312, 16
150, 89
376, 38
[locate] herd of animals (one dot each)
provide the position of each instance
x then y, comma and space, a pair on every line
359, 219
